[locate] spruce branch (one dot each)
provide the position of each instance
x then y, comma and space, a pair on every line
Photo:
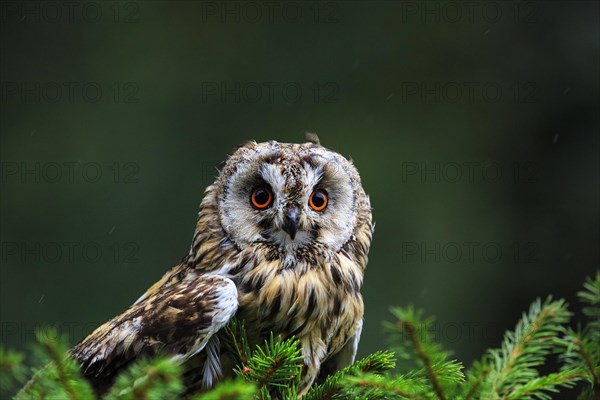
591, 296
473, 390
60, 377
158, 378
373, 386
279, 363
12, 369
587, 394
376, 363
273, 370
448, 371
229, 390
235, 339
60, 368
535, 388
411, 336
583, 354
581, 347
590, 359
412, 333
274, 367
476, 376
525, 348
403, 343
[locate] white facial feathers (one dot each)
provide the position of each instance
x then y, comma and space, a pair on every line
291, 172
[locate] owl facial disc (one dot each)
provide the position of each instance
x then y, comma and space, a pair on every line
289, 196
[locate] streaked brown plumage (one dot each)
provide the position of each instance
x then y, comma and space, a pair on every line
286, 268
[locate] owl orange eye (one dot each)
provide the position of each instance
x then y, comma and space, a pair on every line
261, 198
318, 200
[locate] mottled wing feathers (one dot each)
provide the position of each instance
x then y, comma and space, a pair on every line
178, 320
344, 358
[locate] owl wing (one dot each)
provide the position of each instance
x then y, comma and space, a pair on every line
177, 320
342, 359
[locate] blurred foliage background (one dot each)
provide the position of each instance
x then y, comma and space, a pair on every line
474, 126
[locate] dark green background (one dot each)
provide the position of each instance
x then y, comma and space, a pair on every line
341, 69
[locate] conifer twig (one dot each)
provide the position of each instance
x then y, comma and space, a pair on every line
548, 382
412, 332
588, 363
374, 364
366, 383
62, 375
152, 375
513, 365
273, 370
476, 385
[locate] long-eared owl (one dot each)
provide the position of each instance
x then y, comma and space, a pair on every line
281, 241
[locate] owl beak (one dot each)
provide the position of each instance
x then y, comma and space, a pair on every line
290, 224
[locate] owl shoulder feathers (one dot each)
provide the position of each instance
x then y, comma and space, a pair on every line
178, 320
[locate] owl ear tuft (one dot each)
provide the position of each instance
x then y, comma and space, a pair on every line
312, 138
248, 144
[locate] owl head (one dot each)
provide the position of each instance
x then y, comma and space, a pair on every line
290, 196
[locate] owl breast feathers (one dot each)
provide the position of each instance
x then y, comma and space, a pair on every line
281, 242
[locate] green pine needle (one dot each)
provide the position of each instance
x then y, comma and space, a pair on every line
333, 386
233, 335
154, 379
60, 377
536, 388
591, 296
581, 347
230, 390
12, 370
371, 386
279, 363
525, 348
273, 370
411, 337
